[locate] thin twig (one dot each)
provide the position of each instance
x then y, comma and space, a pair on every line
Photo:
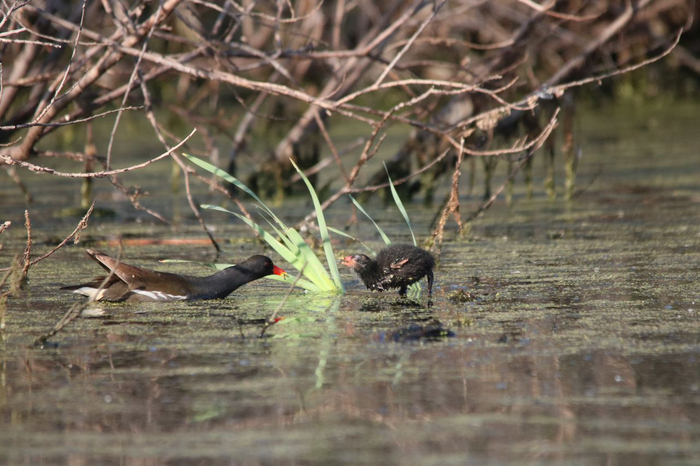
77, 308
76, 234
129, 85
103, 174
329, 141
62, 82
68, 122
405, 48
154, 123
28, 249
452, 206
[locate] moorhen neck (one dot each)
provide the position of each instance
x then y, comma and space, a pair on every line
395, 267
129, 283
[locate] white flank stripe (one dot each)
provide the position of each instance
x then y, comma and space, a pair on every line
159, 295
90, 292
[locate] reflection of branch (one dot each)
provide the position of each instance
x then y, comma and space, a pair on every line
516, 170
77, 308
273, 318
103, 174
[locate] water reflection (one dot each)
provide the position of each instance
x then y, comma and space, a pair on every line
396, 396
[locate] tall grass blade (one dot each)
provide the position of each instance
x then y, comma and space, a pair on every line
231, 179
399, 204
386, 239
342, 233
325, 237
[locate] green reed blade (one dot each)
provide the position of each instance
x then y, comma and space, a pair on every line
386, 239
399, 204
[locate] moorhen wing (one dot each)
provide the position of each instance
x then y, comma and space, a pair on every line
129, 283
395, 267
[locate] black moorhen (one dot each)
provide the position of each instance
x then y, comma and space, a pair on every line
129, 283
395, 267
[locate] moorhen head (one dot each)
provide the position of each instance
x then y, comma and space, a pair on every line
129, 283
396, 266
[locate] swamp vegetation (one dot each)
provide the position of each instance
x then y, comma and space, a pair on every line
545, 153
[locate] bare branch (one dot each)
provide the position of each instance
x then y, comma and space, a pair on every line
103, 174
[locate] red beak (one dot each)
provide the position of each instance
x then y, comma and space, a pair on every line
348, 261
277, 271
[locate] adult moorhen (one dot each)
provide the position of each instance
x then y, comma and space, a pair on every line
395, 267
129, 283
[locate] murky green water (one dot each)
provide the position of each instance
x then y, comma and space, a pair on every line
581, 345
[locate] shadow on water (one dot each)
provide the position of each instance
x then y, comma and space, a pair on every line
558, 333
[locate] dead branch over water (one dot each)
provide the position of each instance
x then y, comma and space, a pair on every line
460, 73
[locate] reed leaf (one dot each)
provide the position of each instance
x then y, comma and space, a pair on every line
386, 239
325, 237
399, 204
342, 233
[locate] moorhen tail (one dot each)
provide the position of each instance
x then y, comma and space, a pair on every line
395, 267
129, 283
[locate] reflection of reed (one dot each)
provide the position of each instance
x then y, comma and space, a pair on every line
466, 394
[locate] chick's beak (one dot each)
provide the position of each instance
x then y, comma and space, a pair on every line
277, 271
348, 261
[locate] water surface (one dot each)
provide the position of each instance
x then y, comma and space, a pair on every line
560, 332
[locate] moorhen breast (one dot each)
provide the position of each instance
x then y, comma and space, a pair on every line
395, 267
129, 283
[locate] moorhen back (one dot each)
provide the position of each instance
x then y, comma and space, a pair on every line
130, 283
